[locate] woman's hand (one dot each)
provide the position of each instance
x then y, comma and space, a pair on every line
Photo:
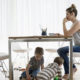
58, 34
65, 20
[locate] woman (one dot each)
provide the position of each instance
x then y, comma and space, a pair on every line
74, 31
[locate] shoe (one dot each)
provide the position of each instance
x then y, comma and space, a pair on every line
74, 70
66, 76
20, 78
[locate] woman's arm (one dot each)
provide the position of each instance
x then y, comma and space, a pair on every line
73, 29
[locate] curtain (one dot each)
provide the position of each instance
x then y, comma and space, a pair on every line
3, 17
26, 17
31, 15
3, 25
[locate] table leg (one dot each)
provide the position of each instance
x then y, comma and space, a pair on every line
10, 62
27, 52
71, 60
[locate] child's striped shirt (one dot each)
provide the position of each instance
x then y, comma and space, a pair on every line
49, 72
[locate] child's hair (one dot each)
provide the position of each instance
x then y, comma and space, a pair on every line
71, 9
59, 60
39, 50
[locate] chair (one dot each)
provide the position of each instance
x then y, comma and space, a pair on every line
16, 47
22, 49
76, 55
51, 50
3, 56
54, 50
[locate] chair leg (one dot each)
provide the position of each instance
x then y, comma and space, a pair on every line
76, 62
3, 69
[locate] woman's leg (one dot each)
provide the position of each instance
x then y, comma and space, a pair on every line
63, 52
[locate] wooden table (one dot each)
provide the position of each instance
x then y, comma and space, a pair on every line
38, 39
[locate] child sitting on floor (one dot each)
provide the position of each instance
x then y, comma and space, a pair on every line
51, 70
34, 65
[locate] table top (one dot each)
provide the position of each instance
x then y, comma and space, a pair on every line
39, 37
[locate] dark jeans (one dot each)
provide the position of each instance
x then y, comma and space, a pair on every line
63, 52
31, 72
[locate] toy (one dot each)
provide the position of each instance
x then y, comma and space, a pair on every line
56, 78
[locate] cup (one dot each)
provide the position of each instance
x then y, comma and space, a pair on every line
44, 30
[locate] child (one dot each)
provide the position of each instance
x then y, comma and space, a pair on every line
34, 64
51, 70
